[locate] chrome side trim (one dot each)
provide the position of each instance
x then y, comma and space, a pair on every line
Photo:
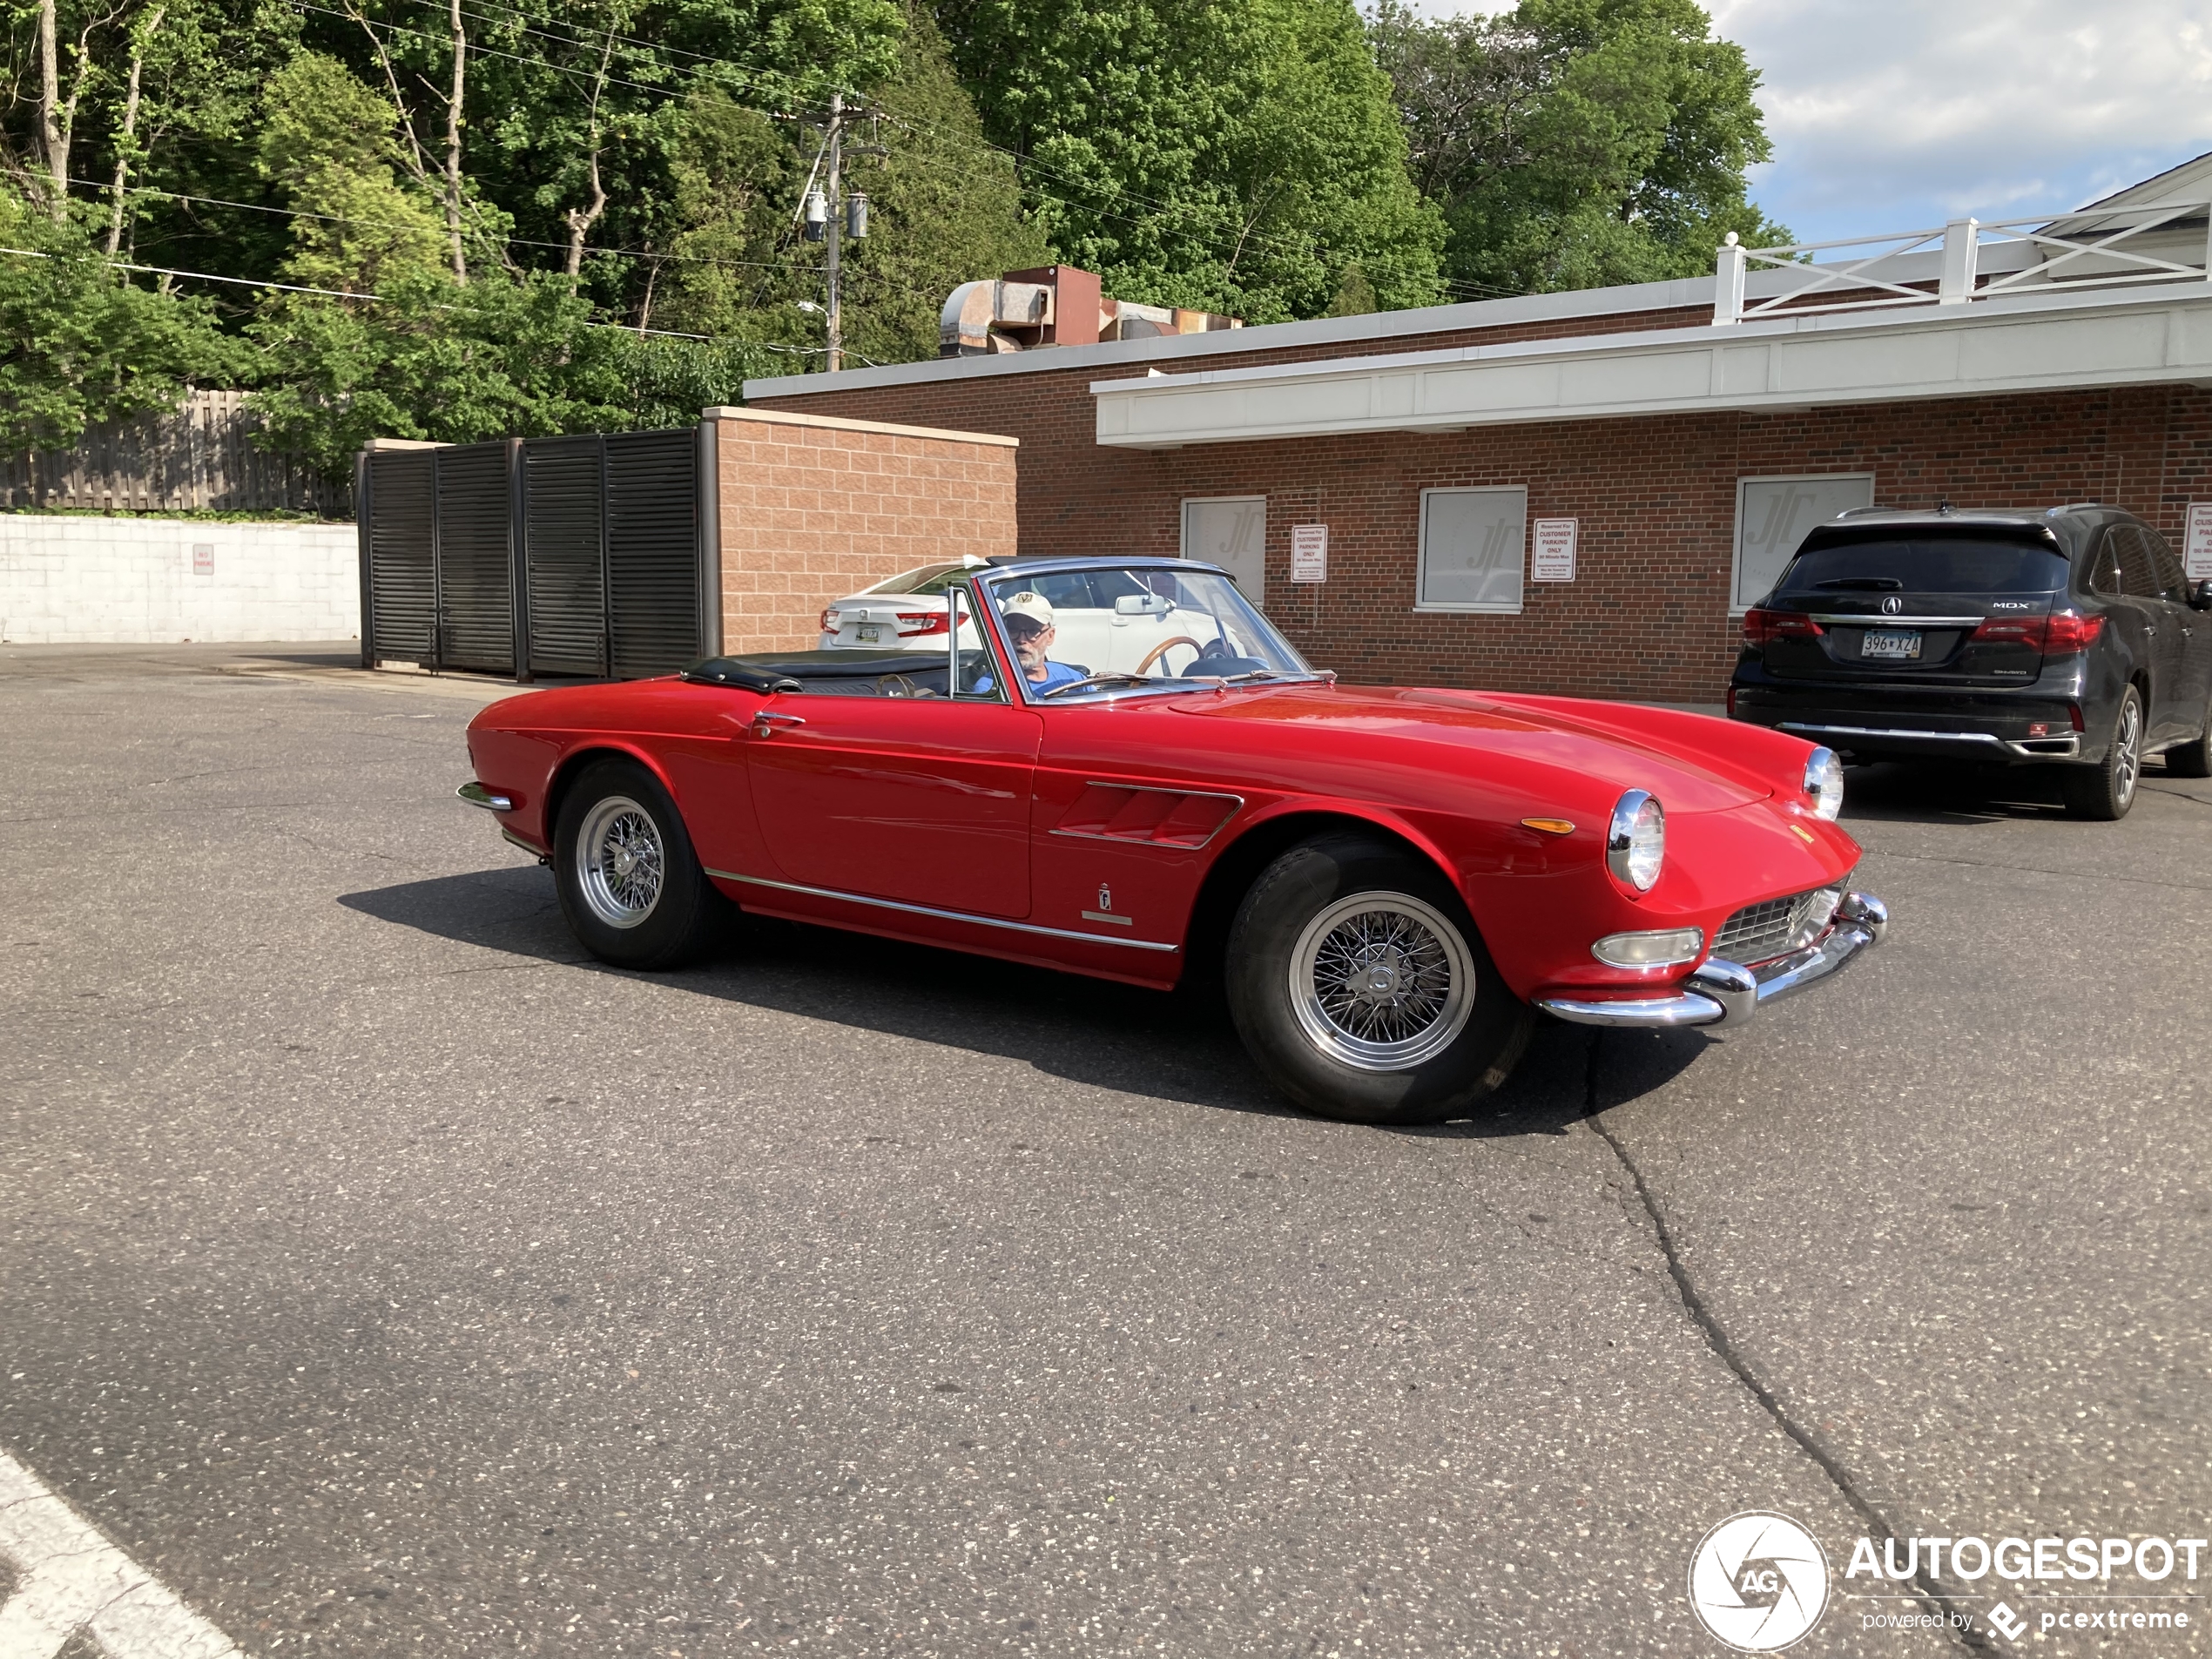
2063, 747
942, 915
537, 852
477, 795
1724, 992
1861, 620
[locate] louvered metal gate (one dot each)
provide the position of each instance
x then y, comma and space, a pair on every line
572, 556
564, 487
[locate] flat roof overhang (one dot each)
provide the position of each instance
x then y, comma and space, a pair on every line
2046, 340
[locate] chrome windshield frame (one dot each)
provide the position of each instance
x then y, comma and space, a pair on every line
1306, 675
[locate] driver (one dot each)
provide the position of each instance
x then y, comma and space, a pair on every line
1028, 629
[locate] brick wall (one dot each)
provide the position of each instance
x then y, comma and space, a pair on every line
70, 580
814, 508
1647, 615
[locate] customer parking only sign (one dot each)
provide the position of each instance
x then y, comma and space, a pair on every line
2199, 541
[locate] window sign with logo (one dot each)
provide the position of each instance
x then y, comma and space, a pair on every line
1308, 552
1772, 516
1231, 531
2197, 542
1474, 549
1551, 551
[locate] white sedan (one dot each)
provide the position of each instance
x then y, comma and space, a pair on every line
1108, 621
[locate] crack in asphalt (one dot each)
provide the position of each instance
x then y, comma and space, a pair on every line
1725, 1351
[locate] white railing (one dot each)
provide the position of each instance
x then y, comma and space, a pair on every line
1881, 278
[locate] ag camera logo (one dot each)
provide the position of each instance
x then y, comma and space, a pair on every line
1758, 1582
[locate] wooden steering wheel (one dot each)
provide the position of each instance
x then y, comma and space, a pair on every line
1163, 648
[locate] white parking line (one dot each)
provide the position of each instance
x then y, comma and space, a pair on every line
73, 1580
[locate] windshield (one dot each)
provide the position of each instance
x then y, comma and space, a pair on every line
1111, 628
930, 579
1935, 564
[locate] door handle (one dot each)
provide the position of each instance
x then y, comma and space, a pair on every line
765, 725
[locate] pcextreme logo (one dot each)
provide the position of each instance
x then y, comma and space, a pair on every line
1758, 1582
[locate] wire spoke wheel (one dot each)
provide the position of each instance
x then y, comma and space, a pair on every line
1381, 982
620, 863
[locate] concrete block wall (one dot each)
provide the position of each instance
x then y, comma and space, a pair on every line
813, 508
70, 580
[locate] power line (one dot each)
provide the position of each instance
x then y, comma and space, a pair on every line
379, 298
392, 225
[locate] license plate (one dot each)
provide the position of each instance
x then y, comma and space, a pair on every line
869, 633
1895, 643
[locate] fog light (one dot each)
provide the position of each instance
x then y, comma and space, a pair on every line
1662, 949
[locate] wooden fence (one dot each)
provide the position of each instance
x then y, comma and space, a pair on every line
200, 456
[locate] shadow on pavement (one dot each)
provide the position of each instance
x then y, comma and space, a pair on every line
1085, 1030
1947, 793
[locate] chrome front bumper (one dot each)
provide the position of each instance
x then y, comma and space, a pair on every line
1723, 993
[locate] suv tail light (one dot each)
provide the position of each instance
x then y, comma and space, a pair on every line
914, 624
2057, 635
1760, 626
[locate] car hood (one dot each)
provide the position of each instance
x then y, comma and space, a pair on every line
1470, 726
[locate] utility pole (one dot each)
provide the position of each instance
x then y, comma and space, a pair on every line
832, 214
836, 183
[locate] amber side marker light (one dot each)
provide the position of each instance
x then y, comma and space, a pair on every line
1550, 826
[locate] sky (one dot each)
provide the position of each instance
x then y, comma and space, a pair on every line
1894, 115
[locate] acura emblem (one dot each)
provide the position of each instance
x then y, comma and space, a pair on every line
1892, 605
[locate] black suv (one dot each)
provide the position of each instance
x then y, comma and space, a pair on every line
2070, 637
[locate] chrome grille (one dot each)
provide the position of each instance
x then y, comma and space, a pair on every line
1759, 932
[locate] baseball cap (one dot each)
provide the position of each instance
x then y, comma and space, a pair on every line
1029, 604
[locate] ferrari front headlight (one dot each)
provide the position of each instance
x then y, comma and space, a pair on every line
1825, 782
1635, 841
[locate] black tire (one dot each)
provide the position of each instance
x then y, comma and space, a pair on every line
2104, 792
643, 901
2193, 758
1424, 1043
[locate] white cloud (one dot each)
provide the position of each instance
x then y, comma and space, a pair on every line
1894, 114
1887, 114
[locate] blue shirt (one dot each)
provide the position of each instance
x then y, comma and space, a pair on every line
1055, 674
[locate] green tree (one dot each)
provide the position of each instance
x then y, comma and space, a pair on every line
498, 356
944, 208
80, 344
1578, 143
1238, 156
329, 144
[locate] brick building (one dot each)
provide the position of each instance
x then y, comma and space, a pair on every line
1580, 492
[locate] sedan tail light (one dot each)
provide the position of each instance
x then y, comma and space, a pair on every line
829, 620
913, 623
1760, 626
2060, 634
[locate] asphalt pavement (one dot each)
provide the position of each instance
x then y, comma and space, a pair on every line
384, 1277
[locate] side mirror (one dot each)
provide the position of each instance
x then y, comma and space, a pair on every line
1156, 604
2200, 595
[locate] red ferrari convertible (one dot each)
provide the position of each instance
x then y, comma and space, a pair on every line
1392, 883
